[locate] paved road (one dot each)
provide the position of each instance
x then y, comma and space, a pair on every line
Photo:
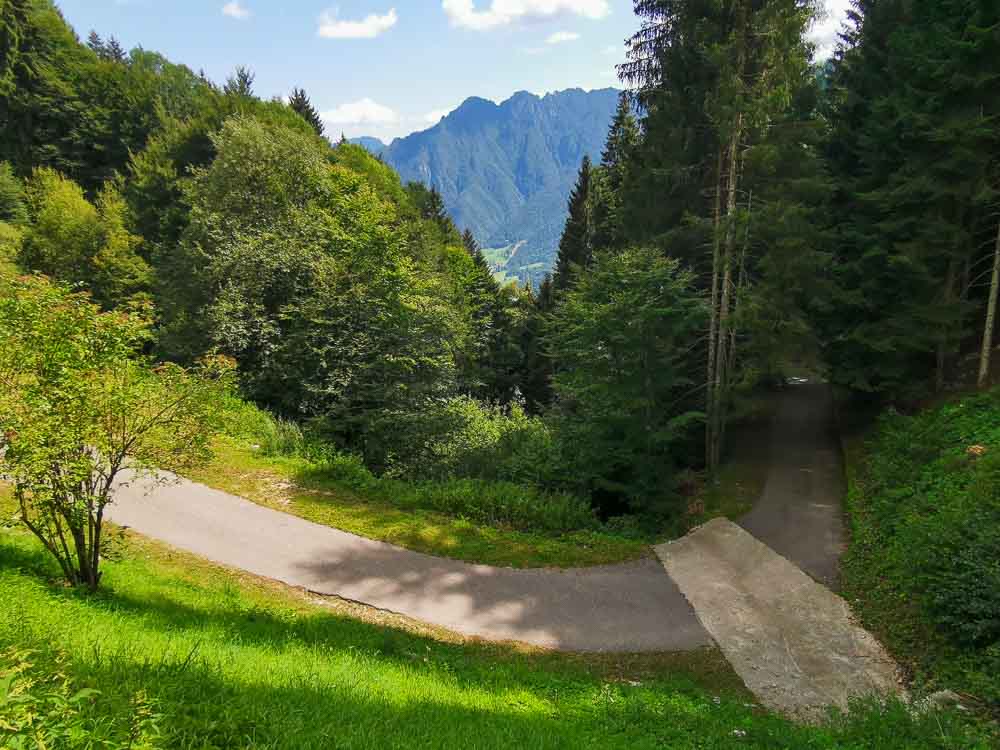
634, 607
621, 608
799, 514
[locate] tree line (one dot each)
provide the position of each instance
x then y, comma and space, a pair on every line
843, 214
751, 208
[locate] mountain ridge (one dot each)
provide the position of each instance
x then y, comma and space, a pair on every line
505, 170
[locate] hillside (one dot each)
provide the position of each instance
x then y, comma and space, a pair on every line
505, 170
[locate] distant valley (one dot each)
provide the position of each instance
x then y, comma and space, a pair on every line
505, 170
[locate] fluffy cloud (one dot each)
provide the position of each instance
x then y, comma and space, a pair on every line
331, 27
502, 12
235, 10
825, 32
562, 36
362, 112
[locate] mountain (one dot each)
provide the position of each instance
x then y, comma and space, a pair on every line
506, 170
374, 145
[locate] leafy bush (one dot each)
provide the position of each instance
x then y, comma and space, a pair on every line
495, 503
46, 711
463, 438
474, 461
926, 515
272, 435
934, 484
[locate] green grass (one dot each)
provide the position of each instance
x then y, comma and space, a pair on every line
292, 485
186, 654
909, 480
406, 514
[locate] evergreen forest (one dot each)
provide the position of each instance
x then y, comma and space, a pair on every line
756, 215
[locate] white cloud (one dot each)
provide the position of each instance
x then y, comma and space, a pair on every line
362, 112
826, 30
235, 10
562, 36
502, 12
330, 27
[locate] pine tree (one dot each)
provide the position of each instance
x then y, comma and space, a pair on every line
711, 79
299, 101
576, 248
609, 180
114, 51
623, 138
240, 84
914, 149
434, 210
95, 43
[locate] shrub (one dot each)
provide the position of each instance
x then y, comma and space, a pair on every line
462, 438
485, 464
498, 504
926, 516
272, 435
933, 485
39, 710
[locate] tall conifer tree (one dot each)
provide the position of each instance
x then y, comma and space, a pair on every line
299, 101
576, 248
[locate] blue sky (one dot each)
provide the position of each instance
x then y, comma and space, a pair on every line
384, 67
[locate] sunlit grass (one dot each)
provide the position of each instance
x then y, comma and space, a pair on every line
278, 483
228, 660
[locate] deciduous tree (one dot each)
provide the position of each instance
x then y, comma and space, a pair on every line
80, 413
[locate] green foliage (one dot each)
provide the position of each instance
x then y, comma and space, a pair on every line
576, 248
493, 503
77, 110
457, 458
224, 661
914, 105
12, 206
240, 84
40, 708
77, 405
461, 437
65, 228
927, 507
78, 242
10, 248
621, 341
299, 101
307, 282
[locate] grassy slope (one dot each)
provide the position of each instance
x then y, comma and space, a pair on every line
227, 660
880, 591
293, 486
289, 485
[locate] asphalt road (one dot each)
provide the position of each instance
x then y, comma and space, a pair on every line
800, 513
634, 607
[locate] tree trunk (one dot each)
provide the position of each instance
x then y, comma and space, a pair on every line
713, 325
739, 290
991, 315
721, 359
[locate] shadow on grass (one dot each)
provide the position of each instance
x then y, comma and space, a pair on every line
232, 619
406, 692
